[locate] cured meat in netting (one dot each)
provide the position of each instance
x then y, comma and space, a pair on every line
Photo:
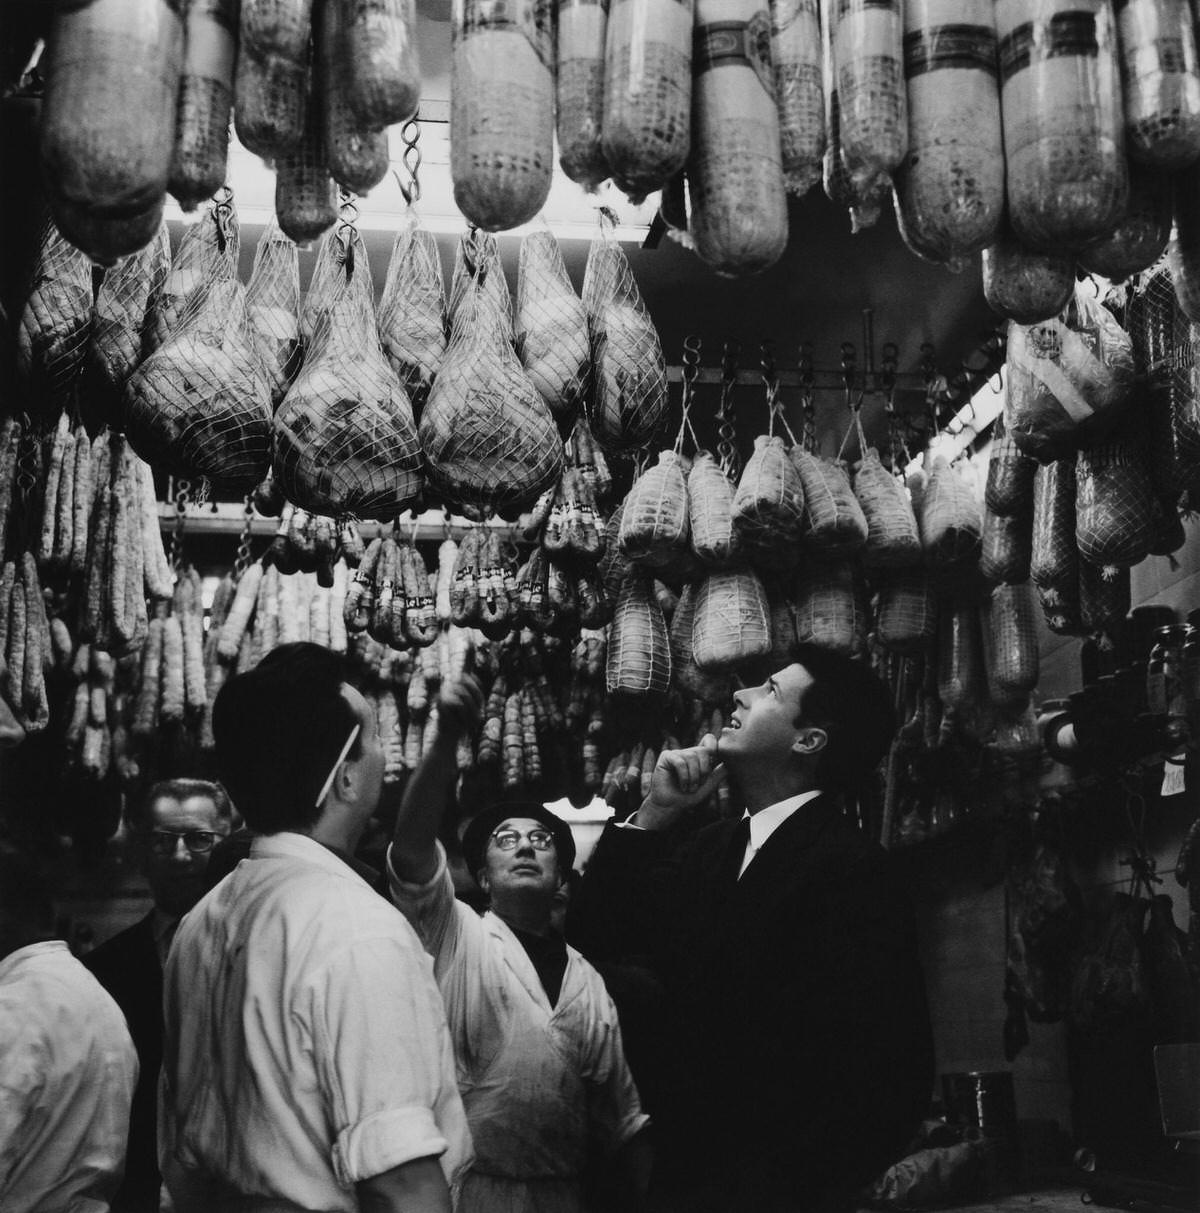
1114, 512
906, 611
732, 623
1140, 239
835, 523
832, 611
892, 536
1054, 563
477, 263
1011, 646
1023, 285
799, 91
654, 523
412, 313
122, 309
53, 334
207, 252
686, 675
345, 441
200, 405
1005, 549
551, 329
1105, 596
1010, 473
579, 89
638, 659
710, 511
768, 507
273, 301
628, 401
490, 442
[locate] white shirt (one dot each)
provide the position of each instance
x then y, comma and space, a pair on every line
67, 1073
541, 1084
766, 821
306, 1047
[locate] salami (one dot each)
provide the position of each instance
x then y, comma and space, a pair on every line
799, 95
382, 84
950, 189
582, 31
1063, 124
739, 205
1138, 241
1022, 285
271, 81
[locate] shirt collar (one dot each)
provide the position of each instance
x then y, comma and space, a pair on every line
766, 821
289, 845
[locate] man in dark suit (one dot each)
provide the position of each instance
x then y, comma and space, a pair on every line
175, 832
797, 1053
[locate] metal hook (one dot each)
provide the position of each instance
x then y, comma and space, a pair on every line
410, 133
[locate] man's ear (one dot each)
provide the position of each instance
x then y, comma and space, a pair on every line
810, 741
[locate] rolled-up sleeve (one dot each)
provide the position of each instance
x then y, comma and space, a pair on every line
384, 1055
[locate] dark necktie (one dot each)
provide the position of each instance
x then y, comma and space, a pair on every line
738, 840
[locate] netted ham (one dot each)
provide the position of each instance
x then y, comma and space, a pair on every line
950, 520
638, 659
207, 252
1010, 473
799, 92
1138, 241
1183, 250
122, 306
501, 111
863, 198
107, 127
345, 442
686, 675
731, 625
1173, 413
832, 611
200, 405
783, 627
1054, 559
739, 205
356, 150
654, 523
906, 611
1022, 285
579, 90
382, 76
489, 440
53, 334
868, 65
1011, 646
1114, 513
893, 539
710, 511
1064, 133
950, 189
271, 81
551, 329
961, 674
1005, 549
477, 263
412, 313
628, 401
1068, 379
273, 302
768, 507
1105, 596
1160, 79
647, 92
835, 524
305, 195
205, 101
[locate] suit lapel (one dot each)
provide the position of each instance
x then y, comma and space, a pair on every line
778, 857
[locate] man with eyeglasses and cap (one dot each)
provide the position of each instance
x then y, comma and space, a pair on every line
173, 832
540, 1061
306, 1062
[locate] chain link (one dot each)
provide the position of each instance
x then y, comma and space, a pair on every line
242, 562
726, 411
410, 133
808, 406
182, 494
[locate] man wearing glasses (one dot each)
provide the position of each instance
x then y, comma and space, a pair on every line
173, 832
540, 1061
306, 1064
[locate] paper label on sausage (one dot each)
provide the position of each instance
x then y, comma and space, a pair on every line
736, 44
1070, 33
532, 18
1042, 350
950, 46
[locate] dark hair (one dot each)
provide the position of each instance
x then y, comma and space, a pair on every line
26, 908
179, 789
279, 728
854, 707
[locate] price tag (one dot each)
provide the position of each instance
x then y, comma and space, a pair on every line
1174, 775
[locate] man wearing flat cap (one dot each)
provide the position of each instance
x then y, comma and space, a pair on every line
541, 1067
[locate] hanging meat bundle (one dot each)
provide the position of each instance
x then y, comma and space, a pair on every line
739, 206
950, 189
647, 92
799, 92
950, 521
1114, 517
273, 303
654, 522
731, 625
305, 195
345, 442
271, 82
490, 442
831, 608
768, 507
1011, 645
710, 511
639, 649
1064, 134
628, 400
1022, 285
412, 313
550, 327
1054, 562
200, 404
1138, 241
579, 90
835, 524
382, 78
501, 111
892, 535
108, 121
